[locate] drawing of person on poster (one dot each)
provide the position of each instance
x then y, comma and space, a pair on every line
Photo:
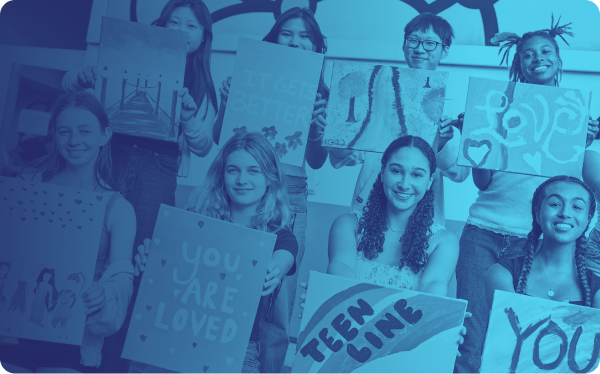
45, 295
4, 269
19, 298
66, 299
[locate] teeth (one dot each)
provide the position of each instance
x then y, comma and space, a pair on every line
541, 68
563, 226
403, 195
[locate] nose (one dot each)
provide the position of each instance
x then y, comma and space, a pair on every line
420, 48
242, 178
294, 41
73, 138
565, 212
403, 183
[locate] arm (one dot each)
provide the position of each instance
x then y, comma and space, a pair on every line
497, 278
197, 132
441, 264
80, 79
316, 153
591, 168
343, 246
218, 125
339, 157
596, 300
447, 158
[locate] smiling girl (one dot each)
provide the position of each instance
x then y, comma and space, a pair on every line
81, 160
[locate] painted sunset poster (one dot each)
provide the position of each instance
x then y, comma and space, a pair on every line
140, 74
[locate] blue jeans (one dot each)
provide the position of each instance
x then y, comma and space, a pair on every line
274, 336
479, 250
593, 262
147, 179
251, 361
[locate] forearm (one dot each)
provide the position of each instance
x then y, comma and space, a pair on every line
218, 125
316, 154
434, 287
283, 260
482, 178
341, 269
198, 137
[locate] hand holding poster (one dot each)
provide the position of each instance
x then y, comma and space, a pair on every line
348, 326
524, 128
273, 91
141, 70
199, 293
50, 239
371, 105
532, 335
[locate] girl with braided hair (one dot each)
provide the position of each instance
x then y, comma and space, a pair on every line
497, 226
554, 267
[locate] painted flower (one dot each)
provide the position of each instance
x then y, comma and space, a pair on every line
294, 140
239, 130
269, 132
280, 149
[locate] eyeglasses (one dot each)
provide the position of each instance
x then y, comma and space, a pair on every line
428, 45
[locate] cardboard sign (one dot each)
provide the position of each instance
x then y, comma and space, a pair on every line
140, 73
348, 326
273, 91
524, 128
372, 105
532, 335
50, 239
199, 294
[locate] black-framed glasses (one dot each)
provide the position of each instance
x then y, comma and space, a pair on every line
428, 45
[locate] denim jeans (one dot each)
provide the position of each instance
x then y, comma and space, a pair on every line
147, 179
274, 336
251, 361
479, 250
593, 262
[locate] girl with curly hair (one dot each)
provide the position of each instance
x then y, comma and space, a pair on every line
497, 226
554, 267
244, 185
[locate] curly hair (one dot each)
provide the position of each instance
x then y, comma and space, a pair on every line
580, 244
511, 39
373, 223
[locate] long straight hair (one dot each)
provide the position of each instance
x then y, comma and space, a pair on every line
54, 162
198, 78
211, 198
314, 34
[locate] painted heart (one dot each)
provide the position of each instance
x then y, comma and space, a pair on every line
35, 192
42, 213
535, 161
229, 360
11, 208
138, 316
91, 219
143, 337
22, 218
91, 204
35, 218
31, 201
11, 189
200, 224
33, 210
8, 329
61, 194
51, 220
194, 344
45, 192
24, 189
477, 152
176, 293
32, 185
156, 241
244, 314
79, 227
163, 262
262, 243
24, 210
45, 204
64, 226
78, 202
205, 368
5, 198
148, 307
222, 275
254, 262
78, 191
52, 212
60, 219
70, 219
20, 202
150, 281
171, 350
59, 204
83, 210
166, 213
99, 198
239, 276
68, 212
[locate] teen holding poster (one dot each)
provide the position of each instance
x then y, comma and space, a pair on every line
81, 160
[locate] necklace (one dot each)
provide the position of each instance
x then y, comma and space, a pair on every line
390, 227
550, 292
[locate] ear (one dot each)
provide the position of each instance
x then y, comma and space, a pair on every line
445, 52
107, 135
537, 216
430, 182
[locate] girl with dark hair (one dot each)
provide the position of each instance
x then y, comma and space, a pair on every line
296, 28
81, 160
497, 227
553, 267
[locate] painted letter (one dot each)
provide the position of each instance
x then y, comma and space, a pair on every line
159, 314
329, 342
311, 349
342, 326
195, 261
364, 309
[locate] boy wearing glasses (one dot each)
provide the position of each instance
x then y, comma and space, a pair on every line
427, 39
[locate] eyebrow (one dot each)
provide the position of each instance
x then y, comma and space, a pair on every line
545, 45
562, 198
414, 168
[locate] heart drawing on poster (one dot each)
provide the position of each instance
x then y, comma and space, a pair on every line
477, 152
535, 161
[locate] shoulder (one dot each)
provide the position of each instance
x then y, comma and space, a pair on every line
30, 176
121, 211
346, 221
443, 239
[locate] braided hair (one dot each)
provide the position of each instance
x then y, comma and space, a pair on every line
580, 244
373, 223
511, 39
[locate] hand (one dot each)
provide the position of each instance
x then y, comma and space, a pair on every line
272, 281
188, 105
592, 131
94, 298
446, 132
318, 122
463, 332
458, 123
225, 90
87, 77
303, 285
142, 257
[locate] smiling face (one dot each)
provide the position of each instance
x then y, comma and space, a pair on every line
419, 58
539, 61
406, 178
183, 19
245, 182
294, 34
79, 136
564, 212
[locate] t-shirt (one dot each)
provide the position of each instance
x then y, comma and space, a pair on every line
515, 265
285, 241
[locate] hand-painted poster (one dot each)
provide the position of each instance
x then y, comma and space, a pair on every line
348, 326
199, 294
533, 335
50, 238
524, 128
371, 105
273, 91
140, 74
